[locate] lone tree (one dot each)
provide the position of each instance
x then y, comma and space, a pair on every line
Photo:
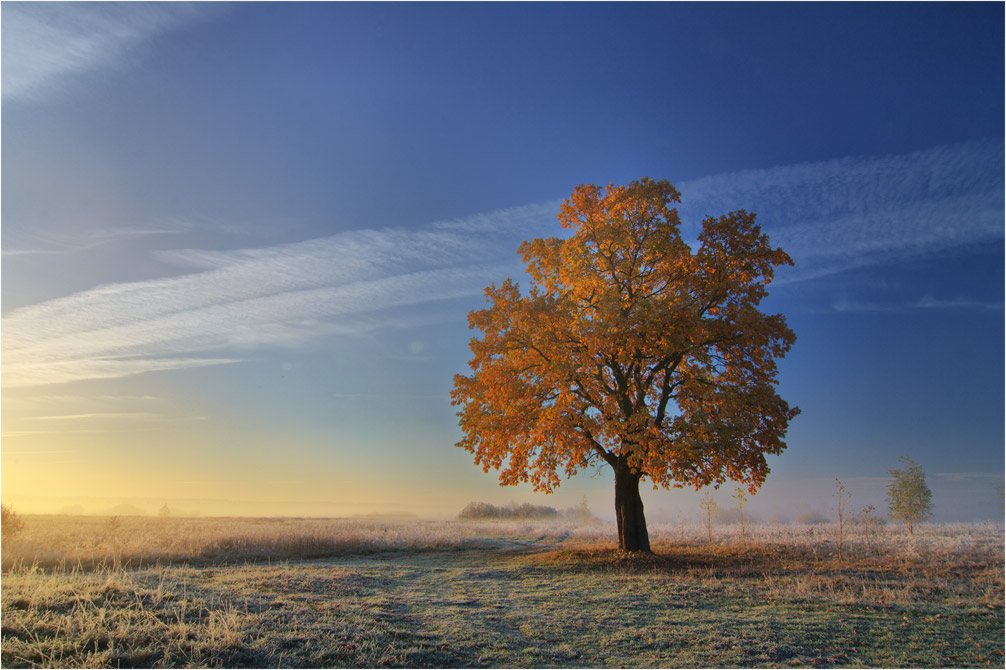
909, 499
633, 350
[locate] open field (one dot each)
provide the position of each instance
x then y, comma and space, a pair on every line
365, 593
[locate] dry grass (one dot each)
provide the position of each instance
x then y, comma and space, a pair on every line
973, 580
94, 542
372, 593
132, 542
112, 618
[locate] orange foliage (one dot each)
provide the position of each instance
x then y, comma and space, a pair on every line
631, 348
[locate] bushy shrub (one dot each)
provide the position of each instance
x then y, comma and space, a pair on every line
10, 523
811, 518
580, 514
482, 510
475, 511
726, 516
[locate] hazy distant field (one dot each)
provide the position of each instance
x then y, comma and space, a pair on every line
364, 593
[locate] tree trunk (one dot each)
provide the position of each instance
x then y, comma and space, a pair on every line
632, 535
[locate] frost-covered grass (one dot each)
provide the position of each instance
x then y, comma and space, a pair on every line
372, 593
113, 618
90, 542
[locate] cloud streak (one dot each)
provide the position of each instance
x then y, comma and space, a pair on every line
969, 476
48, 243
91, 416
847, 213
46, 43
831, 216
925, 302
237, 301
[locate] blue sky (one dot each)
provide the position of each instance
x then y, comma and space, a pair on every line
240, 240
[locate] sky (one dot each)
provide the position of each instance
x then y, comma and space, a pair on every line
240, 240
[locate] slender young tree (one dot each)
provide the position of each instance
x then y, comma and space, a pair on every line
709, 508
632, 350
871, 525
583, 512
909, 499
841, 502
741, 497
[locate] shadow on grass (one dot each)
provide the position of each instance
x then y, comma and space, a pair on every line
748, 559
734, 559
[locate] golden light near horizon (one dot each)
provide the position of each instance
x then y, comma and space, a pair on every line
96, 461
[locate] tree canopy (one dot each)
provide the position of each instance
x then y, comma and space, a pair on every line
909, 498
632, 349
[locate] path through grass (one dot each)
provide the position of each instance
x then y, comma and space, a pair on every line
524, 606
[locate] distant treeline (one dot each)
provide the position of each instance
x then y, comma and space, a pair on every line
483, 510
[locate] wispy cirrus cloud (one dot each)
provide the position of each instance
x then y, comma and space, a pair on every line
929, 302
45, 43
847, 213
925, 302
964, 477
831, 216
285, 295
95, 422
101, 416
36, 242
40, 452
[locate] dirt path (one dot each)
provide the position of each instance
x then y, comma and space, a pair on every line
457, 609
541, 543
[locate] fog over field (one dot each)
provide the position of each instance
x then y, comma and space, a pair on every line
956, 498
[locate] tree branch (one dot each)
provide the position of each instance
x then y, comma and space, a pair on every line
609, 458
